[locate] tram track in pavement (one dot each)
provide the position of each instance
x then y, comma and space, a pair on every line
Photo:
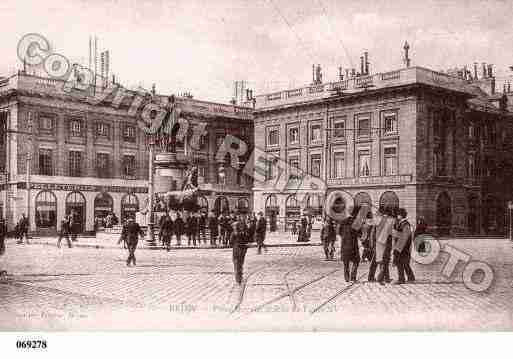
288, 293
243, 289
345, 290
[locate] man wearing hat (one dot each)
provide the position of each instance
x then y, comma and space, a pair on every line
261, 227
3, 232
130, 233
402, 247
238, 241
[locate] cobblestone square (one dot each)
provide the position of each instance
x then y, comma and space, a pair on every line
287, 288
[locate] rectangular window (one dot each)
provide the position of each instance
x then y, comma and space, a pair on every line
75, 128
439, 162
364, 127
202, 173
471, 169
75, 163
239, 176
129, 166
471, 131
364, 163
102, 130
315, 133
46, 125
315, 165
338, 165
204, 142
221, 175
294, 135
339, 129
103, 165
293, 167
273, 138
390, 161
389, 123
129, 134
45, 162
269, 169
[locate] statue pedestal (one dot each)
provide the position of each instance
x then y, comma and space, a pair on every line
168, 172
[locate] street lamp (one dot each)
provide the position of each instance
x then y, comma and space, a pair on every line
151, 237
28, 163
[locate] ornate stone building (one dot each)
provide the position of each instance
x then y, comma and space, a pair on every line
436, 144
91, 157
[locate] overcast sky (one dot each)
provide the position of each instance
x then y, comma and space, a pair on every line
203, 46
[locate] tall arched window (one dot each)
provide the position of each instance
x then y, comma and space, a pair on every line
46, 210
76, 206
271, 205
361, 198
103, 205
243, 205
292, 211
203, 204
221, 205
443, 213
389, 199
129, 206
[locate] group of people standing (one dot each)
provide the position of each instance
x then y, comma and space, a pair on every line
195, 226
385, 237
234, 231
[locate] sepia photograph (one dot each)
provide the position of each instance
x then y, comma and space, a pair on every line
248, 166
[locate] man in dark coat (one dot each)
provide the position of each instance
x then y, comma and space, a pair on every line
191, 225
238, 240
213, 225
261, 228
65, 232
166, 230
349, 251
303, 230
23, 226
3, 233
75, 225
384, 260
252, 228
328, 237
221, 220
202, 224
131, 232
402, 248
178, 227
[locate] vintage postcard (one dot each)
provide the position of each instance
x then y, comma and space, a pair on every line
270, 165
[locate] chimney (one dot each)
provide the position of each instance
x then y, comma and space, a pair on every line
153, 90
313, 73
475, 70
492, 85
347, 74
362, 66
490, 70
406, 49
353, 72
483, 64
340, 75
366, 59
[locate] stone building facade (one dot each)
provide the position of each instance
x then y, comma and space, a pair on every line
91, 157
435, 144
